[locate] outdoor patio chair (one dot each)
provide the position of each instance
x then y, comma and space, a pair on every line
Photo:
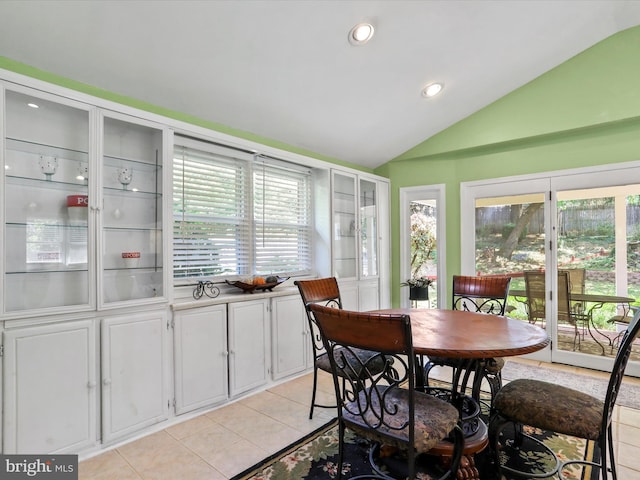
324, 291
577, 277
384, 407
485, 294
536, 302
560, 409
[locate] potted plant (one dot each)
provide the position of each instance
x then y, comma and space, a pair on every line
418, 288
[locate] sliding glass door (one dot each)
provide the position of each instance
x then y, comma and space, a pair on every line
598, 234
571, 243
507, 224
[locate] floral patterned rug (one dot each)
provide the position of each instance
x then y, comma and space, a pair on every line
315, 457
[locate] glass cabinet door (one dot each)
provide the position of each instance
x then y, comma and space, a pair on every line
131, 215
368, 229
46, 167
344, 226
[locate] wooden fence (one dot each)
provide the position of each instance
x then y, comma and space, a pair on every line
572, 220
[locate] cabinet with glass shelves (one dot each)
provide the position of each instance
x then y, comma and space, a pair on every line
355, 226
82, 216
357, 240
46, 157
344, 225
131, 217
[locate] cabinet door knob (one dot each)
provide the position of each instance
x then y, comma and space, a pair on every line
91, 385
106, 381
225, 354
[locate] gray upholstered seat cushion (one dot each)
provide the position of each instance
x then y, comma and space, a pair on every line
434, 419
374, 361
551, 407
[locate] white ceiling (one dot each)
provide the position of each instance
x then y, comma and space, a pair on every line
285, 70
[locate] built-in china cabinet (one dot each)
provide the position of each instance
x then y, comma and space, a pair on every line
83, 242
359, 247
93, 327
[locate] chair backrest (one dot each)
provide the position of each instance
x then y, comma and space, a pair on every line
486, 294
323, 291
534, 281
619, 366
364, 393
577, 277
564, 291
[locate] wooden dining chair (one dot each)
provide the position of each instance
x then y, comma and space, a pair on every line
485, 294
383, 405
560, 409
324, 291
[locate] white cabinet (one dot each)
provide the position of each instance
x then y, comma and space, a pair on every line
131, 210
368, 295
46, 253
201, 357
50, 398
134, 380
249, 350
349, 294
83, 191
360, 253
291, 344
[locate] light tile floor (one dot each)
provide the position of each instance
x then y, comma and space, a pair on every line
223, 442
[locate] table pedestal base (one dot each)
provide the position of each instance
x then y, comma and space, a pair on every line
473, 444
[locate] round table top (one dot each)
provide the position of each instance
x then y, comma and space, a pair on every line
460, 334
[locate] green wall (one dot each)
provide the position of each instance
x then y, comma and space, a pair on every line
582, 113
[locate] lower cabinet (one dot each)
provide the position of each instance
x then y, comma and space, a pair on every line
201, 357
50, 394
349, 295
290, 345
249, 359
362, 296
134, 384
368, 295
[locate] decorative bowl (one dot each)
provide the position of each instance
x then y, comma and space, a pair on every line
251, 287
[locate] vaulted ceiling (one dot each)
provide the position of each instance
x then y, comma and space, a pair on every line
284, 69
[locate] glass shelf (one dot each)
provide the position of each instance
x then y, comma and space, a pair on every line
27, 146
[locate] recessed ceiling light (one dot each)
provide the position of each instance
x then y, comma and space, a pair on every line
33, 105
432, 90
361, 34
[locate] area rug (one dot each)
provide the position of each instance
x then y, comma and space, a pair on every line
629, 394
315, 457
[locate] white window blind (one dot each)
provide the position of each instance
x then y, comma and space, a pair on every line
282, 217
211, 213
238, 215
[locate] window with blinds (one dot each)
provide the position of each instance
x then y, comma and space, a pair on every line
235, 214
282, 217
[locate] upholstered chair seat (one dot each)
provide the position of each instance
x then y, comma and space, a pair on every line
434, 418
563, 410
551, 407
356, 358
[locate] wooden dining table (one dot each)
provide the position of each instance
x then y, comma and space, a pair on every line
469, 336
